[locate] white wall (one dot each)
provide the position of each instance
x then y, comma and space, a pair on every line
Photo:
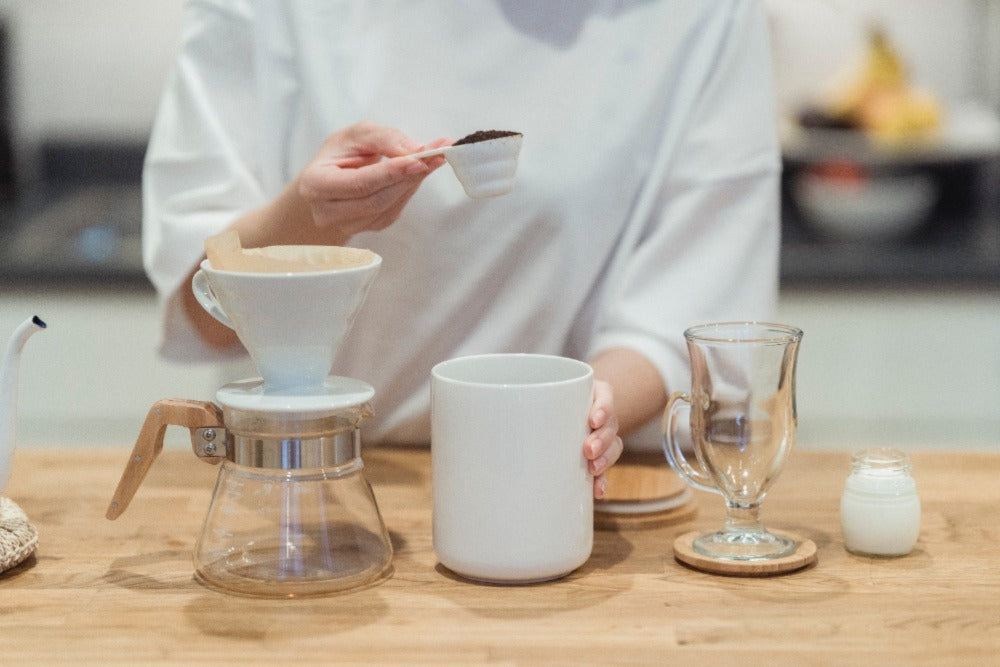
90, 68
89, 378
95, 67
918, 369
945, 44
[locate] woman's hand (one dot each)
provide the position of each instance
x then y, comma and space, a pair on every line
603, 446
351, 187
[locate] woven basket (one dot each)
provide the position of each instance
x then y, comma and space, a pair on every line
18, 537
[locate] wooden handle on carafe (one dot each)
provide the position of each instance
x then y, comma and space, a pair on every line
169, 411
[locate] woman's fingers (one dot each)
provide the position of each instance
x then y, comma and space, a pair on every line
603, 422
603, 447
361, 179
602, 463
599, 464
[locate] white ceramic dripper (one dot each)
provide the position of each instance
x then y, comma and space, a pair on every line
292, 324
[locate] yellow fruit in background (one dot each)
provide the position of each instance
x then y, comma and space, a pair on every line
880, 100
899, 113
881, 70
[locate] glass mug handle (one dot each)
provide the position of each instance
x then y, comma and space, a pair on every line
203, 292
696, 477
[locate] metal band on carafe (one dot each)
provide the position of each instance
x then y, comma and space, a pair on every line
285, 440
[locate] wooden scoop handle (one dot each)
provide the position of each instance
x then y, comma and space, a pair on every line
175, 411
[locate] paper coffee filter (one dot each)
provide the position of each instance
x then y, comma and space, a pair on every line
225, 253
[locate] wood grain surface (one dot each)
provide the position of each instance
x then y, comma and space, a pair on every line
105, 592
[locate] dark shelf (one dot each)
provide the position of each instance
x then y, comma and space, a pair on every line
80, 223
957, 245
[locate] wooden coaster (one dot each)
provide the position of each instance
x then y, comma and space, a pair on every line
804, 554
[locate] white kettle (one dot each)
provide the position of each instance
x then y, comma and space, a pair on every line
8, 394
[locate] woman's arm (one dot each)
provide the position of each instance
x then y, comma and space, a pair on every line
639, 390
360, 180
628, 392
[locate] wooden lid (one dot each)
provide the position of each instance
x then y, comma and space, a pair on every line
646, 520
640, 478
643, 492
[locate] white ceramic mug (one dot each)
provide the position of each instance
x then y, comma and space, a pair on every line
513, 498
292, 324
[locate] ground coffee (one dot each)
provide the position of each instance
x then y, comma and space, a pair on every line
484, 135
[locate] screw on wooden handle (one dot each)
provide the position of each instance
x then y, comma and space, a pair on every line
169, 411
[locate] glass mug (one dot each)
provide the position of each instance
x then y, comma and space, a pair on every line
741, 412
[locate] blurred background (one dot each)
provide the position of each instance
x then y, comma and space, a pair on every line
891, 243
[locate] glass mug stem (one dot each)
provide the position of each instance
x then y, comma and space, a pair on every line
743, 518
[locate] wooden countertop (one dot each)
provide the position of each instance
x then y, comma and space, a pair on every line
101, 592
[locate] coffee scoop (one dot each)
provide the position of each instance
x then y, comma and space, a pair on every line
485, 162
225, 253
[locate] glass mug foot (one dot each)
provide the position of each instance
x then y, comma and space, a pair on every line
737, 545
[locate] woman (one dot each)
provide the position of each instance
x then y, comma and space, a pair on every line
646, 196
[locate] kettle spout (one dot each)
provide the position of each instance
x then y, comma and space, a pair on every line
8, 394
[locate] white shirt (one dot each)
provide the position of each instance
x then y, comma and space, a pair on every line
647, 188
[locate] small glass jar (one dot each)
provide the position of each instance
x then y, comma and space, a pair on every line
880, 508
